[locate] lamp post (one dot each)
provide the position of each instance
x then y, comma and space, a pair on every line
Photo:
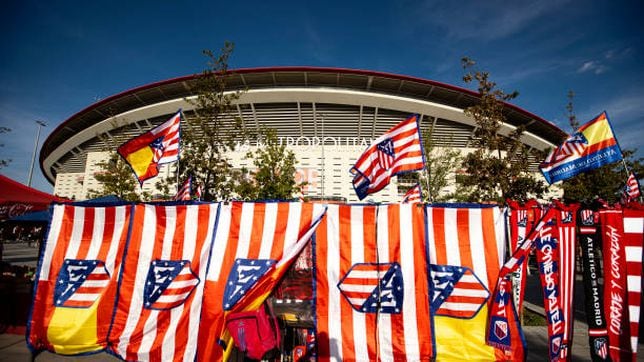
41, 124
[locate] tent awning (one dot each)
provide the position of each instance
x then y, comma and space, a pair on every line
17, 199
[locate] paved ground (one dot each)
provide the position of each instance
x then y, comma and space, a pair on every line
20, 253
13, 348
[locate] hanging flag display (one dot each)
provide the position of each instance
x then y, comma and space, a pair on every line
77, 278
254, 245
590, 241
592, 146
398, 151
372, 296
615, 294
633, 244
466, 250
500, 310
160, 145
521, 220
158, 313
555, 248
183, 193
413, 195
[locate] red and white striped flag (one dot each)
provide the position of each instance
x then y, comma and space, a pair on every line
398, 150
77, 279
466, 250
144, 153
183, 193
413, 195
161, 289
633, 243
247, 232
631, 189
521, 220
372, 299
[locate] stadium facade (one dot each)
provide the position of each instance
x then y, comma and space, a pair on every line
327, 116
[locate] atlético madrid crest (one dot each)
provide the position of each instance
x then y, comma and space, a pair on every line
244, 274
80, 283
373, 287
169, 284
456, 291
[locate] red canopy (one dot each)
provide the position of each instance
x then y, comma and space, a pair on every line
17, 199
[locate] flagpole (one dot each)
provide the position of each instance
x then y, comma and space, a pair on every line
181, 117
625, 167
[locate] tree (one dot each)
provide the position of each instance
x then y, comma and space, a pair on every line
605, 182
498, 169
274, 174
117, 179
208, 135
440, 163
4, 162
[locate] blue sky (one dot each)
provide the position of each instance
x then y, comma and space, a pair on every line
57, 58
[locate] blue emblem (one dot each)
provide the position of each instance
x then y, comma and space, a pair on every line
374, 288
387, 154
242, 277
157, 143
456, 291
169, 284
80, 283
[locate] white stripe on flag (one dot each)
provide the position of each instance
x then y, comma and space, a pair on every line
77, 233
409, 277
384, 319
220, 243
333, 273
97, 233
451, 237
145, 255
633, 225
52, 240
357, 256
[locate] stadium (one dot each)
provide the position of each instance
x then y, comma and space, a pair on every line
327, 116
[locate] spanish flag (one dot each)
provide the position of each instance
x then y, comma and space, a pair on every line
159, 145
592, 146
77, 279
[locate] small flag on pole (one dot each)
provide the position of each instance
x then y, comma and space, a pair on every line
159, 145
199, 191
397, 151
183, 193
631, 190
592, 146
413, 195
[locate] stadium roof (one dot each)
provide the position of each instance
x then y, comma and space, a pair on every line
288, 87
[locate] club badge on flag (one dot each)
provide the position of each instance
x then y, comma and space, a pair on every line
399, 150
158, 146
592, 146
373, 288
457, 291
80, 283
169, 283
243, 276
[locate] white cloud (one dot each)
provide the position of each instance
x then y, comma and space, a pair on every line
490, 19
593, 66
